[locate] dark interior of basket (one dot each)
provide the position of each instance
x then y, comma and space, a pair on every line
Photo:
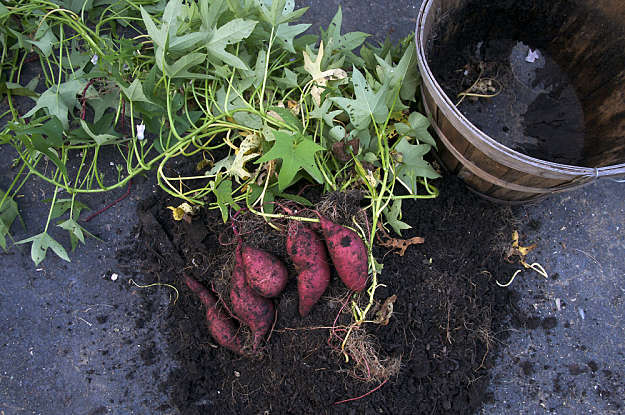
585, 37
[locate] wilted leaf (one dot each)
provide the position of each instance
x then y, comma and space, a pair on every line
398, 245
320, 78
245, 154
183, 211
384, 313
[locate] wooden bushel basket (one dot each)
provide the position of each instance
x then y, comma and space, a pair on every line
590, 40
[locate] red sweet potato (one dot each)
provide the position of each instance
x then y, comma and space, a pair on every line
221, 327
309, 257
265, 273
254, 310
348, 254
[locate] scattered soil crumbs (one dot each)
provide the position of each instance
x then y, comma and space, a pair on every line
441, 340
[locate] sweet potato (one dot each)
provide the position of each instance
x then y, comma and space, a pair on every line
265, 273
221, 327
254, 310
348, 253
309, 257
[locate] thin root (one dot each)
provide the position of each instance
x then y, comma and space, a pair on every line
131, 281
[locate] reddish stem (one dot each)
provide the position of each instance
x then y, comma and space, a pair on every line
123, 112
362, 396
104, 209
304, 188
31, 58
234, 218
84, 100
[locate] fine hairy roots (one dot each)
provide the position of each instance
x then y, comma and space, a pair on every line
368, 365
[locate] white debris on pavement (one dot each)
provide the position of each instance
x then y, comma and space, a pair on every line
532, 55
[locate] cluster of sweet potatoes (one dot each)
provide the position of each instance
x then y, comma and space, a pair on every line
259, 276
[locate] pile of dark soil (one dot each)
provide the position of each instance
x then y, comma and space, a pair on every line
446, 327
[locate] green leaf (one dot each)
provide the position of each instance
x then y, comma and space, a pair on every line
77, 5
63, 205
299, 199
392, 214
16, 89
366, 104
100, 139
8, 213
337, 132
322, 113
272, 10
412, 165
52, 129
223, 192
288, 118
180, 68
103, 102
395, 75
297, 152
417, 127
334, 40
44, 39
134, 92
38, 143
76, 232
210, 10
158, 36
259, 68
186, 42
286, 34
40, 245
232, 32
57, 101
408, 90
248, 119
289, 80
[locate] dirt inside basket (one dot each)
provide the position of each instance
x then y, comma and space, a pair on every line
503, 74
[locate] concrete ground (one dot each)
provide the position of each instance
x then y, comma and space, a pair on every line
77, 340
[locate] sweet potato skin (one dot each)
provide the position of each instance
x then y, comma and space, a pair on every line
255, 311
348, 253
220, 326
309, 257
264, 272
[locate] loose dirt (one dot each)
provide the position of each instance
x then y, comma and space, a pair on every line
443, 335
